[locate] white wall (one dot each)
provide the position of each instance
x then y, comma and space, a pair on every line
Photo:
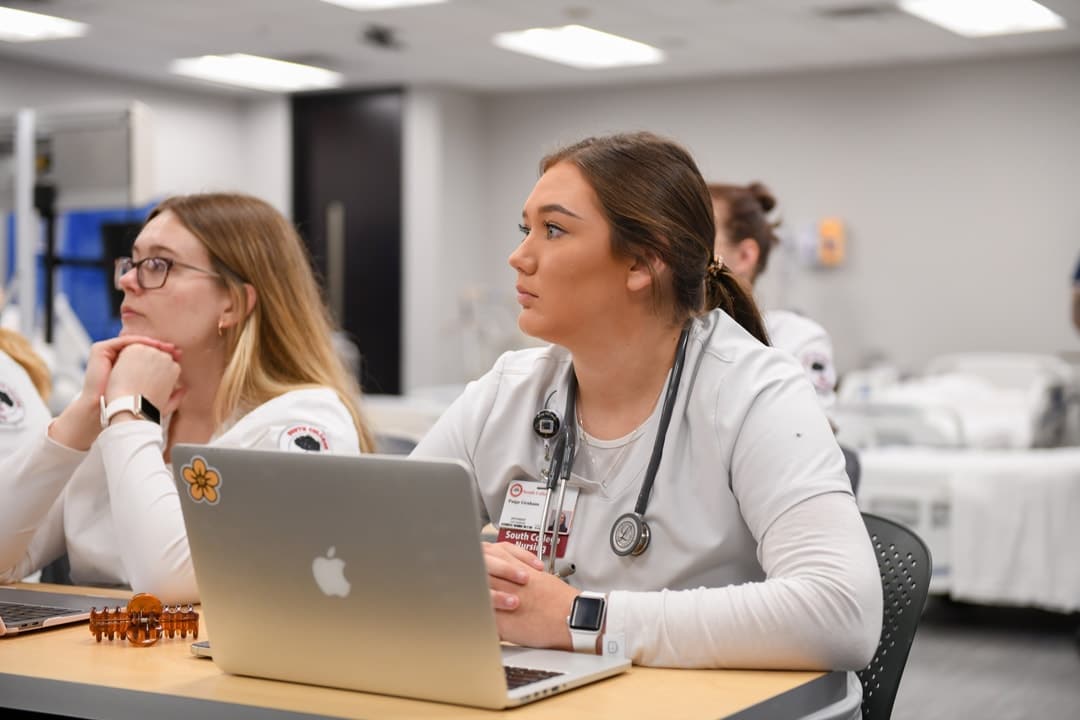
266, 151
202, 141
959, 183
443, 251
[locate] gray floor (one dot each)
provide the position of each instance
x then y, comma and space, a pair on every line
977, 662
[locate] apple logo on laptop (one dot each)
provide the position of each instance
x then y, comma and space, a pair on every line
329, 574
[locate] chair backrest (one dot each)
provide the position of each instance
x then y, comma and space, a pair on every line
904, 563
853, 467
58, 572
393, 444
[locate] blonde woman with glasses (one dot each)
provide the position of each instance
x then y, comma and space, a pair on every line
224, 340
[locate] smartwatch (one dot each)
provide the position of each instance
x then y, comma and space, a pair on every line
137, 405
586, 620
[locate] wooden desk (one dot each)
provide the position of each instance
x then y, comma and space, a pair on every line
64, 671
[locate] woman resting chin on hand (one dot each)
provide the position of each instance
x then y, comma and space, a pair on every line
225, 341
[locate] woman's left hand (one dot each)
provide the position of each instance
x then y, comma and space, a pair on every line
141, 369
531, 605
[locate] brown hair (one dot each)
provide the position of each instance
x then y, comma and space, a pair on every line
748, 209
19, 349
653, 195
285, 341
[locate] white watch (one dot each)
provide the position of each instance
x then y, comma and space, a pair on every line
586, 620
137, 405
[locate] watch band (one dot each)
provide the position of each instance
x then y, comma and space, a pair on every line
586, 620
584, 642
137, 405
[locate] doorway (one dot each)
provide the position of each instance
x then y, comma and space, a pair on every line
347, 205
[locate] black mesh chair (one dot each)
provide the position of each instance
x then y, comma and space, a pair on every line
853, 468
393, 444
904, 562
57, 572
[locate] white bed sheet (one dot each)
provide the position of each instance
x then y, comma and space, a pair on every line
1003, 526
991, 417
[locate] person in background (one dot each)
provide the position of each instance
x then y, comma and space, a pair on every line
24, 390
1076, 298
744, 239
224, 340
757, 556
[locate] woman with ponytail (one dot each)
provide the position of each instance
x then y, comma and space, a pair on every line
225, 340
757, 555
744, 238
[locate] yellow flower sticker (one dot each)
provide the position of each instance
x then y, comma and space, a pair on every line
203, 481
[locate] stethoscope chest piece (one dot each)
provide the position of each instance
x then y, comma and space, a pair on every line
630, 535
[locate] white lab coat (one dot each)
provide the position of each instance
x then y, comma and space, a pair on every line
811, 346
22, 411
751, 486
115, 510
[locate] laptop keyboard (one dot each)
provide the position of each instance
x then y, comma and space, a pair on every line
518, 676
18, 614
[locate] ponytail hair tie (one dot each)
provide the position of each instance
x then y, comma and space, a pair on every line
715, 267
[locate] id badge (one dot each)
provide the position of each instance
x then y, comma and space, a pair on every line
520, 521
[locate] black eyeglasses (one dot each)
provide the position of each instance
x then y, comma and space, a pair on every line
151, 272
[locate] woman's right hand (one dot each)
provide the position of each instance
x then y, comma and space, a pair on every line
508, 565
531, 605
79, 425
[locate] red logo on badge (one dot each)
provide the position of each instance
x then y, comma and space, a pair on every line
516, 489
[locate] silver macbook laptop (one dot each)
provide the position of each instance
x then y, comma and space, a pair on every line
363, 573
25, 610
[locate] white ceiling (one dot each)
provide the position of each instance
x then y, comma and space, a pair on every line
451, 44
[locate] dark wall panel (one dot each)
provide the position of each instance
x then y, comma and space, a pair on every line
347, 155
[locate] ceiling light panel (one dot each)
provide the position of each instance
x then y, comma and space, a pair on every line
381, 4
580, 47
260, 73
985, 17
22, 26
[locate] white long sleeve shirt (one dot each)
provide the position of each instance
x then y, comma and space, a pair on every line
811, 346
115, 510
759, 557
22, 411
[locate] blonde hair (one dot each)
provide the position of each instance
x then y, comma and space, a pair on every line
19, 349
285, 341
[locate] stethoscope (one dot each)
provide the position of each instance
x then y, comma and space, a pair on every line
630, 534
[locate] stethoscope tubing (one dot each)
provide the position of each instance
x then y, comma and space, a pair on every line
665, 420
566, 447
559, 472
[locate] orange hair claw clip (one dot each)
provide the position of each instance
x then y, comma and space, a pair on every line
144, 621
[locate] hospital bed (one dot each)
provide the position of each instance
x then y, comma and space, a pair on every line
975, 400
1043, 384
970, 457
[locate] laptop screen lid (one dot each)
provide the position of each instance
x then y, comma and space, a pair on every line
368, 570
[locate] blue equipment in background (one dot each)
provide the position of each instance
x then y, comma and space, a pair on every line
84, 245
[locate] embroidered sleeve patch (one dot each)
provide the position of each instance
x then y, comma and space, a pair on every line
821, 372
12, 410
303, 438
204, 482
